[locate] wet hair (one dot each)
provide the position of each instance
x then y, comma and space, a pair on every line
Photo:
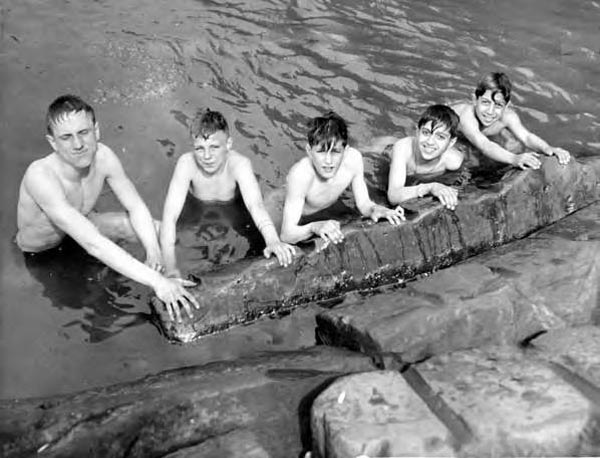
64, 105
327, 130
207, 122
496, 82
440, 115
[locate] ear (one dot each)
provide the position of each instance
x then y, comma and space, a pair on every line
474, 98
452, 142
97, 130
308, 149
52, 142
229, 143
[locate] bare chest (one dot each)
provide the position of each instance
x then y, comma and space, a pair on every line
322, 194
220, 188
83, 193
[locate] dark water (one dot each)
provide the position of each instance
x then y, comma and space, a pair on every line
268, 66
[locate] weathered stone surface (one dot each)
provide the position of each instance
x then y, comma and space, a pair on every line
375, 254
505, 295
240, 443
492, 402
194, 410
375, 414
514, 405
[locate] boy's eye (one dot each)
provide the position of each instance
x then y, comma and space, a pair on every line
425, 132
84, 132
440, 137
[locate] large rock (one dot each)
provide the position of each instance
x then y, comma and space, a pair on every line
374, 254
259, 406
508, 294
484, 403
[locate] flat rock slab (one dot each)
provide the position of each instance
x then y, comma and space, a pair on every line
506, 295
376, 414
258, 406
471, 403
375, 254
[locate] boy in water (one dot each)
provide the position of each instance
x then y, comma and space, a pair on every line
317, 181
489, 115
430, 151
214, 172
57, 198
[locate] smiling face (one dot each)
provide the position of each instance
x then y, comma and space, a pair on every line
326, 159
75, 138
433, 141
489, 107
211, 152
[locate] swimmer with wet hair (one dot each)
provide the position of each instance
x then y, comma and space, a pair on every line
490, 113
430, 151
58, 194
213, 172
316, 182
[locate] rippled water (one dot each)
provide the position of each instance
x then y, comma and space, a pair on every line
268, 66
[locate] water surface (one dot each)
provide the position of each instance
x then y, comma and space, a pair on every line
268, 65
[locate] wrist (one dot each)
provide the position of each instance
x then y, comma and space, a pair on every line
422, 189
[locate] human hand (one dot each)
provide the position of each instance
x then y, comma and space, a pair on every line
561, 154
172, 292
283, 251
446, 195
393, 215
527, 161
329, 230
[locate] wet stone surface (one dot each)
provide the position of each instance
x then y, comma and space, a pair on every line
372, 255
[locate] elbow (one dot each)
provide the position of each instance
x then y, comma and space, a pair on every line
394, 196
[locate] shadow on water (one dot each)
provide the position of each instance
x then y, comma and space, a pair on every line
72, 279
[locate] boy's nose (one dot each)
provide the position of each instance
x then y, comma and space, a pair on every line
77, 143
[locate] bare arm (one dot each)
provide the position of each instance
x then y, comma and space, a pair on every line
139, 215
297, 186
532, 141
254, 202
47, 191
397, 192
365, 205
178, 188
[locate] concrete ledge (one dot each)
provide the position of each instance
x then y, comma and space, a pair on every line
375, 254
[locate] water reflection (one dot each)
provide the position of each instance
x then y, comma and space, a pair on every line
70, 278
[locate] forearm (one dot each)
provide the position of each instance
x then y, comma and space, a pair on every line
264, 223
167, 244
297, 233
399, 195
119, 260
497, 153
537, 144
143, 225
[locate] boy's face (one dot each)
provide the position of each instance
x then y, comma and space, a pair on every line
75, 138
326, 160
211, 152
433, 142
488, 108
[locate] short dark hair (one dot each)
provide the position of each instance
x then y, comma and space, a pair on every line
327, 130
440, 115
207, 122
495, 82
64, 105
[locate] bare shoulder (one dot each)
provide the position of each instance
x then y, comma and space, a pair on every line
509, 116
453, 159
40, 177
301, 172
353, 157
402, 148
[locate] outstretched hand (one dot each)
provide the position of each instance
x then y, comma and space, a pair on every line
446, 195
173, 293
329, 230
283, 251
562, 155
528, 161
393, 215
